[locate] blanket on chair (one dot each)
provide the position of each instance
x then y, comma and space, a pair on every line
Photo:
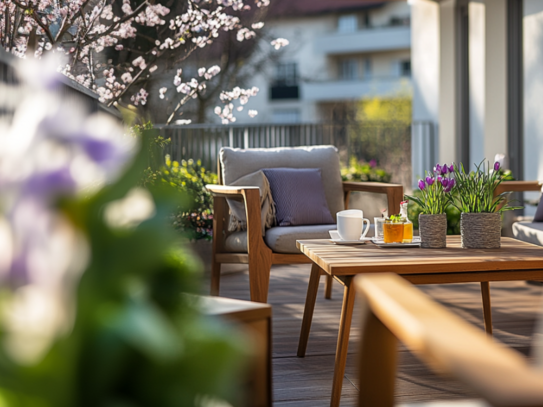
238, 218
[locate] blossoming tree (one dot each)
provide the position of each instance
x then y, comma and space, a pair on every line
114, 46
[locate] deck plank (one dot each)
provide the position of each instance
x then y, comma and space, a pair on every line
307, 382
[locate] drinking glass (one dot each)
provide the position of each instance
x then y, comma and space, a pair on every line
379, 223
393, 231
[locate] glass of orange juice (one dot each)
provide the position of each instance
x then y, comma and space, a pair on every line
393, 231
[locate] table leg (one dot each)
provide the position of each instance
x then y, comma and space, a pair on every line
312, 290
343, 341
487, 310
328, 289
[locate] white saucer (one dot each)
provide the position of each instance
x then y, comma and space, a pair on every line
351, 242
337, 240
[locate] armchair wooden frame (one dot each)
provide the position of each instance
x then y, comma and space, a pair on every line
259, 256
395, 310
518, 186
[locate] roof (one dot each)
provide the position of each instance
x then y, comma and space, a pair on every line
296, 8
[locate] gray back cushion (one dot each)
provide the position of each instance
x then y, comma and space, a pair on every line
236, 163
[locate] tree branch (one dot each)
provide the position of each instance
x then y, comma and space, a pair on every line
117, 24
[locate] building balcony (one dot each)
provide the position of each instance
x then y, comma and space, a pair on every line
368, 40
353, 90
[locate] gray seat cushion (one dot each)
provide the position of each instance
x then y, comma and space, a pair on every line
236, 163
530, 232
281, 239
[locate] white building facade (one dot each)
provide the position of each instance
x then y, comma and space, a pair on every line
478, 78
337, 56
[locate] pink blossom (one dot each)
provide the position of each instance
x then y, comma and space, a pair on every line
279, 43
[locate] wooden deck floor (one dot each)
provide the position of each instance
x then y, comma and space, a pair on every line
307, 381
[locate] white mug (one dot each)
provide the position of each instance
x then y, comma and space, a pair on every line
350, 224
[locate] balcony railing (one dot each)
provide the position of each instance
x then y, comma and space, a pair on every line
355, 89
377, 39
280, 92
389, 143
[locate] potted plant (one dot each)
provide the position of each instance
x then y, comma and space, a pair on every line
433, 201
480, 220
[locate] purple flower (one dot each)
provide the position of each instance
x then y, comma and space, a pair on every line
437, 169
444, 169
496, 166
422, 185
439, 178
59, 181
452, 183
98, 150
445, 182
448, 189
373, 163
451, 168
430, 180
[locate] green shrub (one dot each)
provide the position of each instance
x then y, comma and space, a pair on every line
193, 218
360, 172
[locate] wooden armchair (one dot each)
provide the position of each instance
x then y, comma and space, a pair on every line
525, 230
395, 310
255, 251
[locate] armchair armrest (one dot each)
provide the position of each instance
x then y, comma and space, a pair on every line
518, 186
250, 196
394, 192
230, 192
393, 308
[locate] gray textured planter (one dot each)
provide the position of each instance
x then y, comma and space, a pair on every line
480, 230
433, 231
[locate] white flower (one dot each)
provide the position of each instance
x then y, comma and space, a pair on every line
162, 91
201, 71
279, 42
252, 113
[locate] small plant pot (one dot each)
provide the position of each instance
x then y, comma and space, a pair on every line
480, 230
433, 231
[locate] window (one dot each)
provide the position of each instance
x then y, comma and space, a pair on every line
347, 23
367, 69
286, 74
405, 68
285, 82
399, 21
286, 116
348, 69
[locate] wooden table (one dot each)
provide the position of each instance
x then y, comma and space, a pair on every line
515, 260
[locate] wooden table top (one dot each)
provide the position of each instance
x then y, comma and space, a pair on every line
369, 258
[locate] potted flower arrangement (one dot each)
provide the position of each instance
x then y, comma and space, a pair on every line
480, 221
435, 196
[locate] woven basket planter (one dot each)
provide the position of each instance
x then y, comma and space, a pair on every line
433, 231
480, 230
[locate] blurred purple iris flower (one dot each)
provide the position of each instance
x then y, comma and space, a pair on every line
496, 166
445, 182
373, 163
444, 169
422, 185
437, 169
430, 180
58, 181
451, 168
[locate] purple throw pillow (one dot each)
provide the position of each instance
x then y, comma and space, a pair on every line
538, 217
299, 196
